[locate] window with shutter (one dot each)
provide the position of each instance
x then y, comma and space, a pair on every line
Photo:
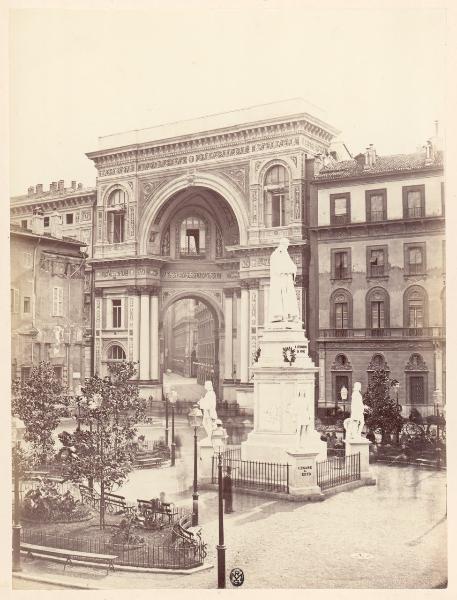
14, 300
57, 301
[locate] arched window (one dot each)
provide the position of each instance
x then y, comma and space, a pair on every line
193, 237
415, 315
276, 201
117, 202
117, 198
116, 353
341, 312
416, 372
377, 310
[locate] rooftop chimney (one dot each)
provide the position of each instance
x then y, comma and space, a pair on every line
31, 190
370, 156
73, 185
37, 223
80, 186
61, 185
360, 159
55, 225
437, 127
53, 187
39, 188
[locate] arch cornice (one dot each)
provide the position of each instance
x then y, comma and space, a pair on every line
285, 161
209, 180
115, 186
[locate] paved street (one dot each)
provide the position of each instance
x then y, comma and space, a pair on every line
392, 535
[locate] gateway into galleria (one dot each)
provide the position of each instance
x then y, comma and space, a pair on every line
193, 210
179, 231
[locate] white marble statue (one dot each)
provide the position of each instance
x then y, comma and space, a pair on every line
283, 305
207, 404
354, 424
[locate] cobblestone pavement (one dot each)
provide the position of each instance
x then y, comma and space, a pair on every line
392, 535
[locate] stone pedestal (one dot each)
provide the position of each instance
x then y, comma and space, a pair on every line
206, 453
303, 473
282, 391
362, 446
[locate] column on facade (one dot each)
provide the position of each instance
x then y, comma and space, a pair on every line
321, 376
244, 334
144, 333
98, 331
154, 323
438, 359
237, 345
228, 343
134, 328
266, 301
253, 323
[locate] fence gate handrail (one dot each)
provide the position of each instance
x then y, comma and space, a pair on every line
338, 471
273, 477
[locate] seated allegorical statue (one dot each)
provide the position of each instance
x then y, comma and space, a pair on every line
207, 404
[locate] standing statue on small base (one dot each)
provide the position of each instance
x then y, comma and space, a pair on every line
354, 424
208, 405
283, 305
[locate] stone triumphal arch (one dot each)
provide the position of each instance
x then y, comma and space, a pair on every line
194, 210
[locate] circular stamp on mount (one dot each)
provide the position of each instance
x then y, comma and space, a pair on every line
236, 577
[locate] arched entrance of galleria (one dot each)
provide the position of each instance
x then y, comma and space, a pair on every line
194, 211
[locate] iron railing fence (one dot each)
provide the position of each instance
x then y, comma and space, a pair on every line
233, 453
338, 471
140, 555
390, 332
271, 477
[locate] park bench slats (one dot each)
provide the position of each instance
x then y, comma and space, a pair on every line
70, 555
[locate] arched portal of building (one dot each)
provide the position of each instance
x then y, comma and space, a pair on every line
196, 216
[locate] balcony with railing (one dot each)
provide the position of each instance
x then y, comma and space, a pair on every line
377, 215
384, 332
414, 212
340, 219
377, 270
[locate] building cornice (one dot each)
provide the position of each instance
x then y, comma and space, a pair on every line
381, 229
382, 176
27, 205
192, 150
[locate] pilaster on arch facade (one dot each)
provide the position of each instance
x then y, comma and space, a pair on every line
230, 192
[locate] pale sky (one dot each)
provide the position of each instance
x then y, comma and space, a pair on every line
78, 74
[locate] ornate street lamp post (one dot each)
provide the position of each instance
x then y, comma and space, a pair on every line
218, 441
172, 398
195, 418
18, 429
397, 387
165, 392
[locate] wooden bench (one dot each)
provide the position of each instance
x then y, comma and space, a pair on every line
70, 555
184, 532
155, 508
89, 496
117, 504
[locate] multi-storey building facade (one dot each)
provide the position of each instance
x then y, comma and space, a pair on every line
378, 267
50, 302
194, 210
73, 205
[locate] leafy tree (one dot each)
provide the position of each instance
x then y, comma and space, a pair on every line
100, 448
381, 412
40, 403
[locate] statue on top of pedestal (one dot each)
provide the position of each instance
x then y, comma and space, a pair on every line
207, 404
283, 304
354, 424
